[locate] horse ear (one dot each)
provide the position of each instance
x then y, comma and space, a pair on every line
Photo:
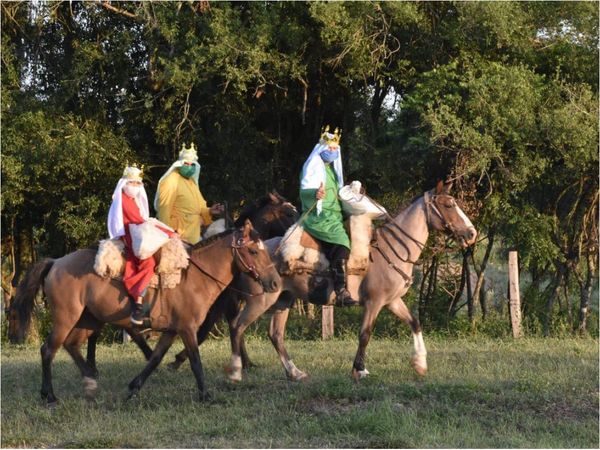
274, 198
247, 228
439, 187
447, 187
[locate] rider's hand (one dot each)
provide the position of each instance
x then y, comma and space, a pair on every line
217, 209
320, 192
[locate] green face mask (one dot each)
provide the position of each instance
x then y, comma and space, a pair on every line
187, 171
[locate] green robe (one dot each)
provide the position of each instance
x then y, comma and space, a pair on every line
329, 225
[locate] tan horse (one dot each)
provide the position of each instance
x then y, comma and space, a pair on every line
397, 246
79, 298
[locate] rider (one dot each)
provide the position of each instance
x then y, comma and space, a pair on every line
178, 201
321, 178
130, 206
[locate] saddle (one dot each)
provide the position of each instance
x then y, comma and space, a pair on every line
171, 258
302, 253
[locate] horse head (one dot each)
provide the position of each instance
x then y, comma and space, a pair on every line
271, 215
444, 214
252, 257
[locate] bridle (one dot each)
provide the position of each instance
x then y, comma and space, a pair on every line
390, 229
237, 243
431, 206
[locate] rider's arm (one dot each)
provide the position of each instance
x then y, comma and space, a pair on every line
166, 198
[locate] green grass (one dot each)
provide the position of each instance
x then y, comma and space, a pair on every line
533, 393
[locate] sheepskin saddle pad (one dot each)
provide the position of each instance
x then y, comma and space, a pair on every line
110, 261
300, 252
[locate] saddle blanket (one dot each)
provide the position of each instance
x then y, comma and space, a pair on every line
110, 262
299, 254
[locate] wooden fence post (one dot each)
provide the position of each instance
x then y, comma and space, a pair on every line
327, 321
513, 293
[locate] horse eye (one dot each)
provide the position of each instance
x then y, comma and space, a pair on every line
252, 251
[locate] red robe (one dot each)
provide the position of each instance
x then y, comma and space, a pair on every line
138, 272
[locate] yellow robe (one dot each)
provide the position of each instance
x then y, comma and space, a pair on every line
182, 206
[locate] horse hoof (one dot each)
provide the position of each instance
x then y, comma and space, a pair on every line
173, 366
205, 397
133, 393
419, 364
358, 375
297, 376
234, 374
90, 386
52, 404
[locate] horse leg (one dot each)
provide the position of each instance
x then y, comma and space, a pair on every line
370, 314
164, 343
89, 373
91, 352
232, 311
419, 358
277, 334
140, 341
191, 345
214, 314
53, 342
252, 311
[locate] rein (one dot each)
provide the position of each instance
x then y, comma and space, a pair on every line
249, 269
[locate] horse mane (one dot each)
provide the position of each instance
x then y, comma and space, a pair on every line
251, 209
212, 239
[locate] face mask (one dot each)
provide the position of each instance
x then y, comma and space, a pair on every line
132, 190
329, 155
187, 171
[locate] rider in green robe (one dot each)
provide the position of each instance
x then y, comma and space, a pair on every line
321, 178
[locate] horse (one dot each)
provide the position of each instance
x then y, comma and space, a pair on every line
271, 215
396, 247
79, 298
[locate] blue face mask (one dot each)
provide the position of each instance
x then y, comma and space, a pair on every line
329, 155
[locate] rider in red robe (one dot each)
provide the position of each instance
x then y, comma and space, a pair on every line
130, 206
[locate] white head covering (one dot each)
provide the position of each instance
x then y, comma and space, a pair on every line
115, 214
186, 155
313, 171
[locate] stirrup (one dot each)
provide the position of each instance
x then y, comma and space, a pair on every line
137, 315
343, 299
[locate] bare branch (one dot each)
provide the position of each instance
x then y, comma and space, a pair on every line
123, 12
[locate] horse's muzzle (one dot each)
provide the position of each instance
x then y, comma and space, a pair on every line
271, 286
467, 238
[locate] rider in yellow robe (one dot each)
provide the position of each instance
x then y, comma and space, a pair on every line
179, 202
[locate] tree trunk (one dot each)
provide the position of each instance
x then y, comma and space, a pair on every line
554, 294
477, 297
470, 304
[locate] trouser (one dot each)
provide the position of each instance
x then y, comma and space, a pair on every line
337, 255
335, 252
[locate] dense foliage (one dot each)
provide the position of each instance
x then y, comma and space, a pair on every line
501, 97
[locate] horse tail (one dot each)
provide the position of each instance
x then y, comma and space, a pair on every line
24, 298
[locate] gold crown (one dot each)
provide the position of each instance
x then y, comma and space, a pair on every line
133, 172
325, 139
188, 154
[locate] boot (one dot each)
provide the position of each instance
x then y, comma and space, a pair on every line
342, 296
137, 314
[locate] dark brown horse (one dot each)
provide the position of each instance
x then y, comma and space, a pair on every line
397, 246
79, 298
271, 216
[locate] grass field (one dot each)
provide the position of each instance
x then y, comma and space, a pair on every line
536, 393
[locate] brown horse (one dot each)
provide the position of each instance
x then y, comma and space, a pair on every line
271, 215
79, 298
395, 249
